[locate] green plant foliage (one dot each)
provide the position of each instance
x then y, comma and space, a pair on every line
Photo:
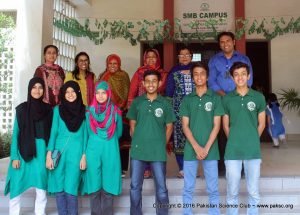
158, 31
5, 141
7, 26
290, 99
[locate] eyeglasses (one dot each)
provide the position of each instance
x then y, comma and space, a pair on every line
184, 55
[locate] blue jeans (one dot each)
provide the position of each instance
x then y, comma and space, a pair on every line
179, 159
67, 204
101, 203
233, 177
158, 169
210, 169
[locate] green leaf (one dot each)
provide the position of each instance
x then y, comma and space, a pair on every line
130, 25
105, 22
289, 98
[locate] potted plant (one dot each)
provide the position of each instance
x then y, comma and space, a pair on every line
290, 99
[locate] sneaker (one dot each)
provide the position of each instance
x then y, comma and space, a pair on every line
276, 147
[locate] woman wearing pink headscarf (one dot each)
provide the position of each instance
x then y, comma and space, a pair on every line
102, 178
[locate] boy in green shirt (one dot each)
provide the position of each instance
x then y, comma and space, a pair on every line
151, 124
243, 123
201, 113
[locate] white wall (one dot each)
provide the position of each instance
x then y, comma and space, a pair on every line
285, 67
115, 10
32, 31
285, 50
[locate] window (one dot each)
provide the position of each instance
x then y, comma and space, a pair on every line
196, 57
65, 42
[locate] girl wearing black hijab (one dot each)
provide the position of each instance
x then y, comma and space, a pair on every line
68, 135
28, 149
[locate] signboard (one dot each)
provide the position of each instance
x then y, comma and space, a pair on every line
193, 15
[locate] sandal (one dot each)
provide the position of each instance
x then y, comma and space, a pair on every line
147, 174
180, 174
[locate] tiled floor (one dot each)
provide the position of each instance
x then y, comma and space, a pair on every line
283, 161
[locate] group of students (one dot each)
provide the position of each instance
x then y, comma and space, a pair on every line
76, 132
80, 118
87, 121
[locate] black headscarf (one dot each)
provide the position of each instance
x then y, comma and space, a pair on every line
34, 120
72, 113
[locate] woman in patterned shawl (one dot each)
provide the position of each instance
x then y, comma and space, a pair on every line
52, 74
119, 83
117, 79
179, 84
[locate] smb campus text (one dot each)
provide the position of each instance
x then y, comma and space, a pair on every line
206, 205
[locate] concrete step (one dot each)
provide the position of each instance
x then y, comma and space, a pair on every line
148, 211
283, 191
122, 202
266, 184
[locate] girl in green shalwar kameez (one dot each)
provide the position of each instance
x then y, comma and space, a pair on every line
28, 149
68, 135
102, 178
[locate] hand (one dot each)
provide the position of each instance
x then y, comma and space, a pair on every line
200, 152
49, 161
169, 147
16, 164
82, 164
206, 149
204, 153
131, 132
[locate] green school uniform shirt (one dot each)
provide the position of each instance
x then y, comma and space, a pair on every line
201, 112
103, 164
30, 174
149, 138
67, 175
243, 140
